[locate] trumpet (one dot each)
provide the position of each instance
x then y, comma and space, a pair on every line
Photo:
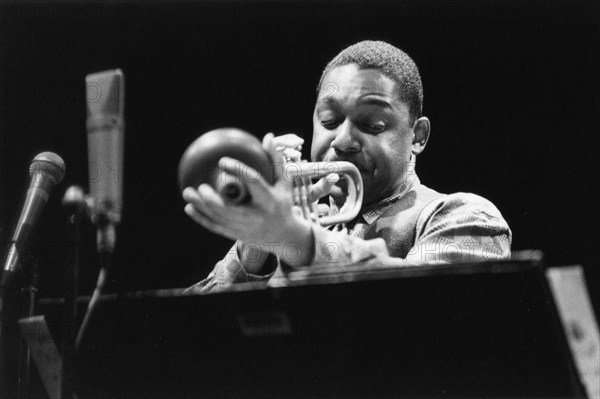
199, 164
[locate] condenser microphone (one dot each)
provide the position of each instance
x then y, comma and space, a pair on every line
47, 170
105, 136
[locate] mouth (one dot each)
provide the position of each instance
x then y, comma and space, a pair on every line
341, 187
362, 169
342, 184
339, 192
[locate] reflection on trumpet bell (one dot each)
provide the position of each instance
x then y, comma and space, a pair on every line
199, 164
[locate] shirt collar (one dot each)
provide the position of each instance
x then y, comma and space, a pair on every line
372, 212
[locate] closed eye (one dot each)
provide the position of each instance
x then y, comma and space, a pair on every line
330, 124
372, 128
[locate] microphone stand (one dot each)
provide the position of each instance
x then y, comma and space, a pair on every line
28, 297
75, 206
15, 303
106, 238
18, 297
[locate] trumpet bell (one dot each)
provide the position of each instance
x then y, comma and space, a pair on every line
199, 162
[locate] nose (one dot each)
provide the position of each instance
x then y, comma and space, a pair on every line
345, 140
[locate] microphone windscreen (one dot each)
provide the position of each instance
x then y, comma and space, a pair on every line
105, 98
50, 165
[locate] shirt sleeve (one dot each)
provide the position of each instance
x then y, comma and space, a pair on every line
339, 248
226, 272
331, 248
460, 228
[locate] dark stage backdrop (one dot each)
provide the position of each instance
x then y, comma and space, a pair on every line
511, 89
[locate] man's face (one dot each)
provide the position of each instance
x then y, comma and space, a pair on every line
359, 118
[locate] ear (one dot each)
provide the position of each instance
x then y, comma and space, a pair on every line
421, 128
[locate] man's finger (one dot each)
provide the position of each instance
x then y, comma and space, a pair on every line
206, 201
192, 196
210, 197
323, 209
270, 147
239, 170
205, 221
189, 194
289, 140
323, 187
254, 181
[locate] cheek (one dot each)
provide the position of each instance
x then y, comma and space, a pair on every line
388, 155
377, 151
320, 144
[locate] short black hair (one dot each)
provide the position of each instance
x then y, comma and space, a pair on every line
390, 61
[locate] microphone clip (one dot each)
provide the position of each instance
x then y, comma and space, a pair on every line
106, 219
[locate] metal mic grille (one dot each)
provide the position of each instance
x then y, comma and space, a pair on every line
50, 165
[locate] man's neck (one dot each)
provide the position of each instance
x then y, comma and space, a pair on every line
408, 183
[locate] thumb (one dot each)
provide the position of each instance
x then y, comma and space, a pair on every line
270, 147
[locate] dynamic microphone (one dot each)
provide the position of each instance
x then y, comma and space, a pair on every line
105, 137
47, 170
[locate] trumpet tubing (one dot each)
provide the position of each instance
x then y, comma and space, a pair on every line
301, 171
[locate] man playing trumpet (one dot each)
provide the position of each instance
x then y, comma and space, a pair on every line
368, 112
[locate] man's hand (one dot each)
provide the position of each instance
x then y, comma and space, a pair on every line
269, 220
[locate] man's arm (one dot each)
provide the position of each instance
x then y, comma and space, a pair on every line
460, 228
332, 248
268, 226
233, 269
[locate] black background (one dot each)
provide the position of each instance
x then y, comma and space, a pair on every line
511, 89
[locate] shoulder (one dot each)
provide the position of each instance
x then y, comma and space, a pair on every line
462, 209
462, 201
